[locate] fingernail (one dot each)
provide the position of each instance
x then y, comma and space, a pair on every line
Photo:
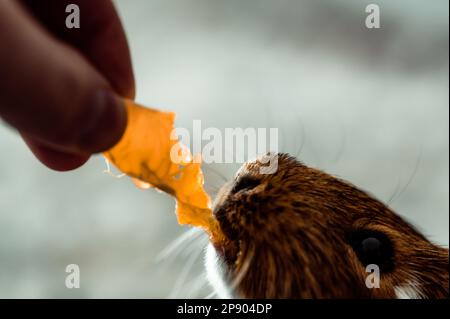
107, 123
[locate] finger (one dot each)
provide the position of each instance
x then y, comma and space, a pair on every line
50, 92
100, 38
54, 159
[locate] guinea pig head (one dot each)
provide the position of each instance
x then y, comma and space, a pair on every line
302, 233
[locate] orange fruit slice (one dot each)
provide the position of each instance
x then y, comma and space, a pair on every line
150, 153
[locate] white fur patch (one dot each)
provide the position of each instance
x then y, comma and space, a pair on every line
214, 272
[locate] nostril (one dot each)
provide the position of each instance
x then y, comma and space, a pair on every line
244, 183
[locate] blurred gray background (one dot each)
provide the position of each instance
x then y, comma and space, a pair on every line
370, 106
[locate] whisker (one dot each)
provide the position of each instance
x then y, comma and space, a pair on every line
411, 177
178, 244
198, 244
196, 285
396, 190
184, 273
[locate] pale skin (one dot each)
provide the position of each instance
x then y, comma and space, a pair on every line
60, 87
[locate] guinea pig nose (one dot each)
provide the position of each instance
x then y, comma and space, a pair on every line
244, 183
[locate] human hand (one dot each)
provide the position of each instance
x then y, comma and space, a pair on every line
57, 84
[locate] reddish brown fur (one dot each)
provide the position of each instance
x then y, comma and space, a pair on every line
293, 228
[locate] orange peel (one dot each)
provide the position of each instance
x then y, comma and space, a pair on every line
146, 153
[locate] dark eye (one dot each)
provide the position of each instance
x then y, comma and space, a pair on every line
245, 183
373, 247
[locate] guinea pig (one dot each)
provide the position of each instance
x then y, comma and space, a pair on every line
302, 233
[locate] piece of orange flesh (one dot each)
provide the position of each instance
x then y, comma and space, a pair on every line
144, 153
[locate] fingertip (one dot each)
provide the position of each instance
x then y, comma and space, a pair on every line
55, 159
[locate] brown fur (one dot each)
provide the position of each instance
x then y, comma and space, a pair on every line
292, 229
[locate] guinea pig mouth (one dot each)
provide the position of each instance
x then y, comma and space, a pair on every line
226, 210
227, 249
